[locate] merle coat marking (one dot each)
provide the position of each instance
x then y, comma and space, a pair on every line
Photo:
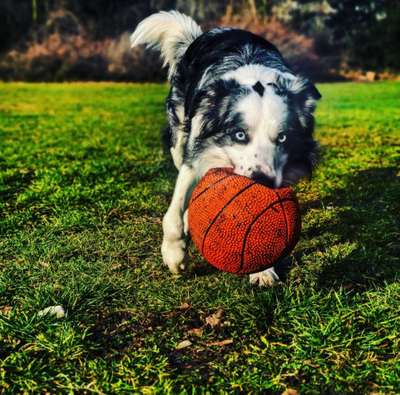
233, 102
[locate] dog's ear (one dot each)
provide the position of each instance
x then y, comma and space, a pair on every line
304, 94
300, 89
314, 92
303, 87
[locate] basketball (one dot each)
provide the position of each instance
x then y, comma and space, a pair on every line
241, 226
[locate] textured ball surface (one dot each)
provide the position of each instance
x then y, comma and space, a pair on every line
241, 226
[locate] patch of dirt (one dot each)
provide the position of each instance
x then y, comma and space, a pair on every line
188, 359
116, 333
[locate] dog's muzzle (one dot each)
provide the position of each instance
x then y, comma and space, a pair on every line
264, 179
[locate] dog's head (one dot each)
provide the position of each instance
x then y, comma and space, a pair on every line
260, 122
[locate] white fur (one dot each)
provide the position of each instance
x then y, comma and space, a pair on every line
171, 32
264, 113
211, 158
264, 117
196, 127
251, 73
177, 149
173, 245
266, 278
297, 85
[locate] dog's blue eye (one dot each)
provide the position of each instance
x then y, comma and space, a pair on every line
281, 138
240, 135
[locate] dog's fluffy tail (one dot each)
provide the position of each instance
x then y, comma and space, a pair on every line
170, 32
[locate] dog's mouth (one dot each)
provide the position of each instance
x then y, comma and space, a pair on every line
264, 179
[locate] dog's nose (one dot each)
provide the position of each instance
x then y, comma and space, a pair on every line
262, 178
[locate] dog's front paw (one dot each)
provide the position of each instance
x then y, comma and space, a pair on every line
266, 278
173, 253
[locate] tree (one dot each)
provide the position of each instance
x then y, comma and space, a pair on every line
367, 31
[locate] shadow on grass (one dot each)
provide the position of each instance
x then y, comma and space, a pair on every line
368, 220
366, 228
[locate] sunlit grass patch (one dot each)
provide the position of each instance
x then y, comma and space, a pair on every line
83, 187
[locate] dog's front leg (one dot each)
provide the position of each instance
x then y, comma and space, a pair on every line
272, 276
174, 243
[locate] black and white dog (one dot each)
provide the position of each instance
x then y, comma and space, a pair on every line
233, 102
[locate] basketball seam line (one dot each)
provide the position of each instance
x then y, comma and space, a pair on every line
251, 225
210, 186
220, 211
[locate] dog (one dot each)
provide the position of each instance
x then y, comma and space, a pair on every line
233, 102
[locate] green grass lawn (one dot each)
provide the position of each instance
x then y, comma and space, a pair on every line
83, 187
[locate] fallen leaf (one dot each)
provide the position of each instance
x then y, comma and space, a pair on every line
215, 320
220, 343
5, 309
183, 344
309, 363
196, 332
58, 311
116, 266
278, 344
289, 391
181, 309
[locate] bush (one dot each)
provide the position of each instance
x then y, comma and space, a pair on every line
297, 49
63, 50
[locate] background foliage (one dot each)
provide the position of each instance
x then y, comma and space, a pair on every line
71, 39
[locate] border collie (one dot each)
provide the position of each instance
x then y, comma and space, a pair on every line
233, 102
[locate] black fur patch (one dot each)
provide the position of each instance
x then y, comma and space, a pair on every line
259, 88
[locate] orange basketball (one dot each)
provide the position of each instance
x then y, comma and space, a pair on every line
241, 226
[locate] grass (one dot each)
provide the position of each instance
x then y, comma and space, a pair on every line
83, 187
